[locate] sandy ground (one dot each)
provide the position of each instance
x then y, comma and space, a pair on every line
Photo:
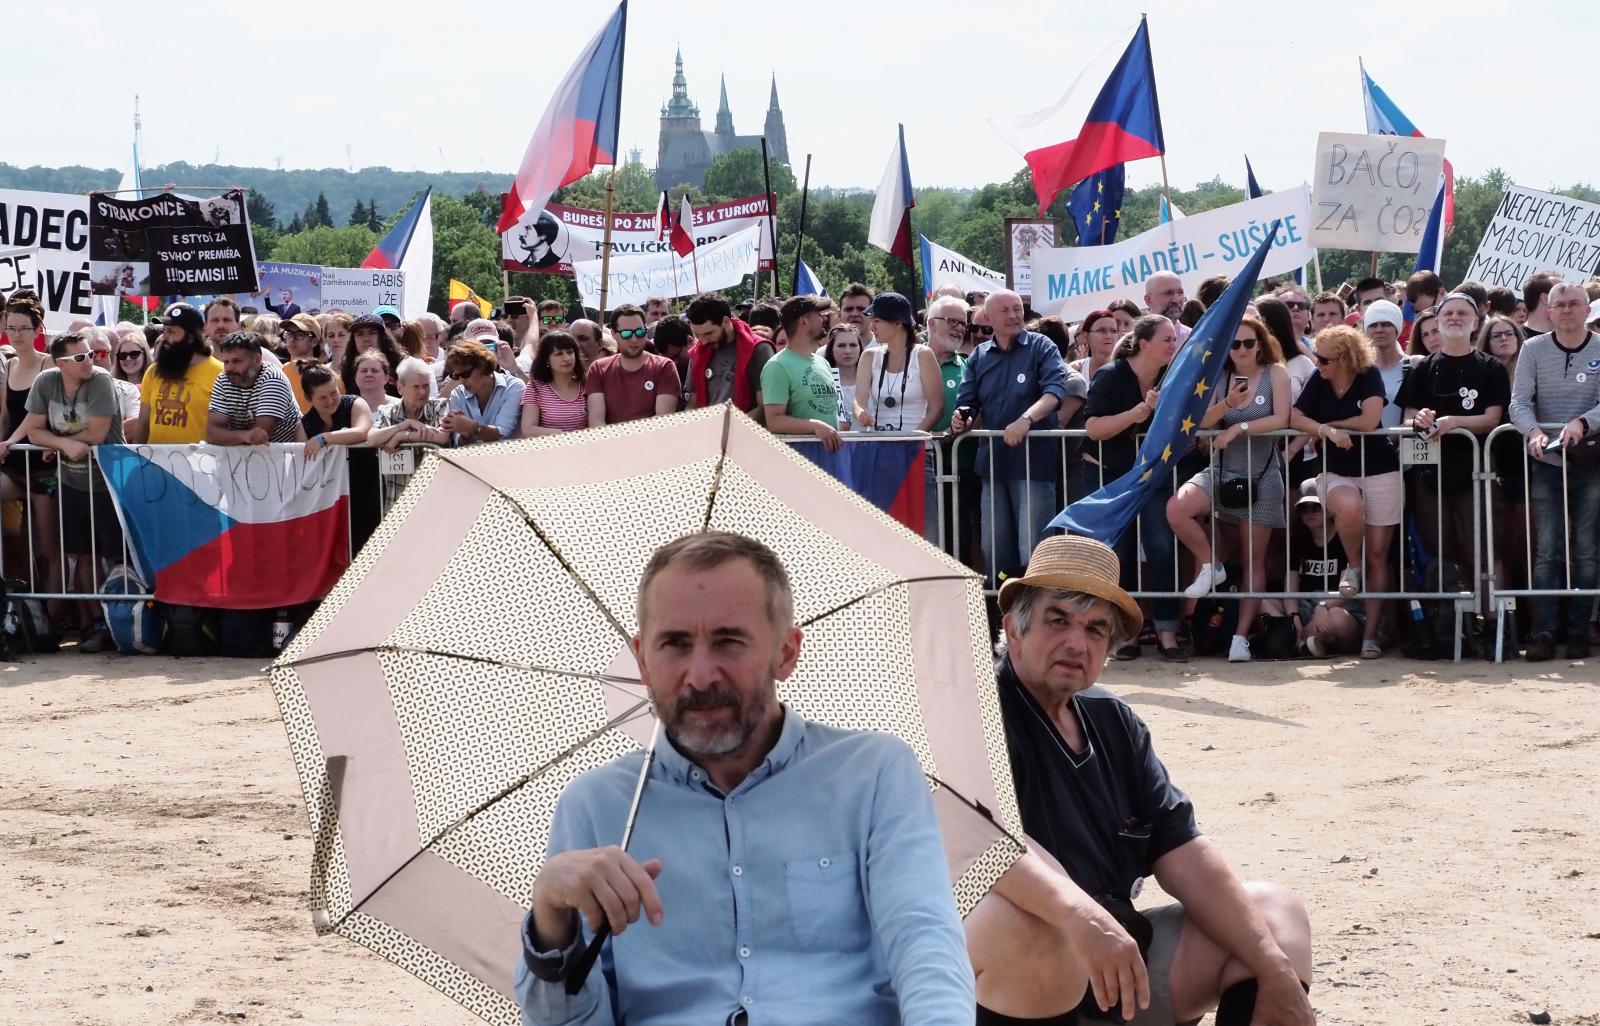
1441, 822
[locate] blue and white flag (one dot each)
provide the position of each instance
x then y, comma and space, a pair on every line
1186, 392
806, 282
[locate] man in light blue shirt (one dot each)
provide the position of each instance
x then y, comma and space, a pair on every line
786, 872
488, 405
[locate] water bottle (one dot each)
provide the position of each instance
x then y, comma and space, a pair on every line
282, 629
1416, 612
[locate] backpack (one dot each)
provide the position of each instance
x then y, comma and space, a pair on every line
1215, 619
245, 633
188, 630
134, 626
26, 628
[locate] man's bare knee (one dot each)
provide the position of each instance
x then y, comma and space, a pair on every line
1286, 917
1022, 963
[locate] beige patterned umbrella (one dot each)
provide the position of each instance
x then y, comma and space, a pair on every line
474, 659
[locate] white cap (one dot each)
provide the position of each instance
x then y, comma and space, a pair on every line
1382, 312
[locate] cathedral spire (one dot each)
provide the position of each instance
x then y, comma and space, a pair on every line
680, 106
724, 113
772, 104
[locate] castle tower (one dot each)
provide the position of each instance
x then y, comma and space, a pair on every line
724, 114
777, 139
681, 154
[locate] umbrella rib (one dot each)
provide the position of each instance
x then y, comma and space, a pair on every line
716, 475
599, 678
504, 792
879, 591
549, 544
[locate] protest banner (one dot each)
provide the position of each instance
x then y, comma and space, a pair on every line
284, 289
55, 227
1072, 281
942, 267
563, 236
18, 268
1023, 235
1537, 231
361, 290
170, 244
634, 279
1373, 191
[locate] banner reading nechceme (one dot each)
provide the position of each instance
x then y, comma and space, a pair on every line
361, 290
170, 244
1537, 231
634, 279
1373, 191
560, 237
1073, 281
54, 227
942, 267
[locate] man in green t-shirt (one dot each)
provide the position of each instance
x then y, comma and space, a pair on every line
796, 385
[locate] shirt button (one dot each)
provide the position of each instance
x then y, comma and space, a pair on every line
744, 952
745, 1001
696, 775
824, 863
738, 870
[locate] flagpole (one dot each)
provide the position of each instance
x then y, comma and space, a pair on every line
800, 238
672, 253
1166, 190
605, 244
1316, 263
772, 221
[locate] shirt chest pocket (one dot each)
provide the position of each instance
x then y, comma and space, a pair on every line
826, 906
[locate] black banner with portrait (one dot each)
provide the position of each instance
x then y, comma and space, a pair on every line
170, 244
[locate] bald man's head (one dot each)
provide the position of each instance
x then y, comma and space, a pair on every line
1163, 294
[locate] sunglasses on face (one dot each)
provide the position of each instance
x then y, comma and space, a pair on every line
132, 354
100, 354
1295, 304
1324, 360
981, 329
632, 333
79, 357
1244, 343
549, 320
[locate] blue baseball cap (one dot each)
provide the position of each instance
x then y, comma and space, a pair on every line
892, 306
387, 311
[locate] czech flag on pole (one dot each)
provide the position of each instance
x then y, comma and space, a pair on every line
1384, 118
409, 247
890, 226
579, 128
1119, 123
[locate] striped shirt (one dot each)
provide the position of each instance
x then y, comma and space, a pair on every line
554, 411
1556, 385
270, 396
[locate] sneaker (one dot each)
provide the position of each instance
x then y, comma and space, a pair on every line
1316, 647
1350, 582
1239, 649
1211, 577
1127, 652
1578, 650
96, 639
1541, 647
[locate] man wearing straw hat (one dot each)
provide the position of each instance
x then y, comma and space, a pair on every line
1058, 940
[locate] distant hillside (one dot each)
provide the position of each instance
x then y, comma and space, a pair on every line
289, 192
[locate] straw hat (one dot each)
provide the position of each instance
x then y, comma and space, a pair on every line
1066, 562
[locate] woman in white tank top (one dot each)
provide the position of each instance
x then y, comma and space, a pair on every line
898, 385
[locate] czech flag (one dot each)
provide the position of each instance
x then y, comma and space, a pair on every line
890, 226
888, 474
409, 247
1384, 118
682, 240
1430, 254
806, 282
579, 128
1119, 123
214, 525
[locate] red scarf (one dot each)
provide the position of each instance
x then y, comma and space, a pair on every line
745, 342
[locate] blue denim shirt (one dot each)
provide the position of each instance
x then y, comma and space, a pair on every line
1000, 384
503, 410
815, 892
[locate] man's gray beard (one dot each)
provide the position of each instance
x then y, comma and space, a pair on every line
716, 742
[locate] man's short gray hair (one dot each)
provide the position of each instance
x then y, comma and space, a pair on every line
948, 306
409, 366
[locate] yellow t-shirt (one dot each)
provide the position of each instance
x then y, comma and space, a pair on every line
178, 408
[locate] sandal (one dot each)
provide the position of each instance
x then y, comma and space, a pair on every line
1370, 649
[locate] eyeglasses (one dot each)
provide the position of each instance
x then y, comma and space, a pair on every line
1324, 360
981, 329
1244, 343
958, 322
100, 354
1569, 304
131, 354
1502, 336
550, 320
633, 332
1295, 304
459, 375
78, 357
298, 334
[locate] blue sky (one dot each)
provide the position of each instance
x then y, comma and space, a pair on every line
460, 85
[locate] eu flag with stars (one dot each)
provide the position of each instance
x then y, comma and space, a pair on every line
1186, 391
1096, 206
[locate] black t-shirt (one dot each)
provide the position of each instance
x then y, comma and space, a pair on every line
1318, 401
1106, 814
1115, 389
1319, 567
1453, 386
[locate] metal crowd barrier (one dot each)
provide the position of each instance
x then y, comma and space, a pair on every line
1413, 452
1504, 587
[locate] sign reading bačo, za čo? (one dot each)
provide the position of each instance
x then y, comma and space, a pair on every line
1373, 191
1537, 231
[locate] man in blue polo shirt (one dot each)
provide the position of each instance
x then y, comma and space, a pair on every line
1012, 383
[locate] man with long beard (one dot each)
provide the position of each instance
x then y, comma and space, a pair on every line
788, 872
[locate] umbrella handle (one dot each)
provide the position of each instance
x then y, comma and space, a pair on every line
585, 963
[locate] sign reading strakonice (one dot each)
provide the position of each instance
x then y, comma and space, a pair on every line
170, 244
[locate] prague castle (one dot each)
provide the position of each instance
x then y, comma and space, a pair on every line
686, 151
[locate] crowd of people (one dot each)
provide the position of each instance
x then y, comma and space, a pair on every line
1290, 494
